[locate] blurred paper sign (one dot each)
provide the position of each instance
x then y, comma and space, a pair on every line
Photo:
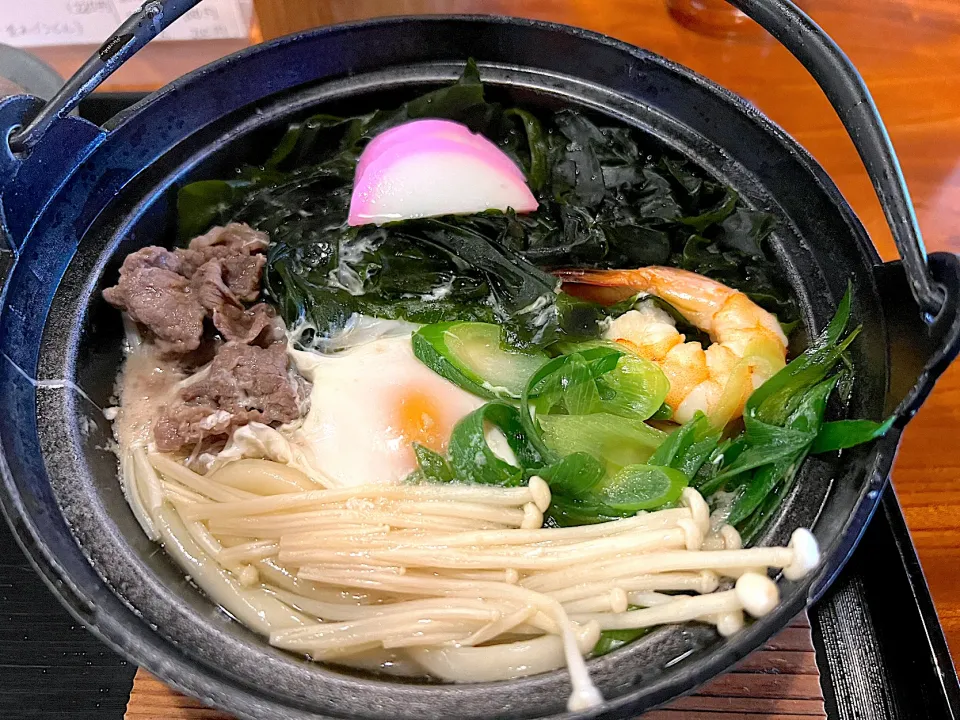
33, 23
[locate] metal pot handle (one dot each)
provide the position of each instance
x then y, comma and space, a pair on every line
848, 94
139, 29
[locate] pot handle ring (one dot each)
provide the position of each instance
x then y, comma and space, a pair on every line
152, 18
847, 93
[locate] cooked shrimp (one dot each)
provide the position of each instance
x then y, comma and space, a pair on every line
748, 343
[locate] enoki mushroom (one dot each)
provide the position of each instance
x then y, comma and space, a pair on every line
458, 581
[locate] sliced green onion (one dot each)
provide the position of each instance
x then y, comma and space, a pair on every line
568, 512
611, 640
473, 460
433, 466
638, 388
472, 355
842, 434
575, 476
642, 487
688, 447
614, 440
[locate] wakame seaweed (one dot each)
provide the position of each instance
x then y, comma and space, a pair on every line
607, 198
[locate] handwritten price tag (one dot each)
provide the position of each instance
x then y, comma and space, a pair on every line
90, 22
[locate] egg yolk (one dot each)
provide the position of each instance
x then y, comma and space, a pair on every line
419, 418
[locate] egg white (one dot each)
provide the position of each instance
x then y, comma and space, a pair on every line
364, 399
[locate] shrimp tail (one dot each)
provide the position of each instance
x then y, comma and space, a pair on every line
605, 287
592, 276
696, 297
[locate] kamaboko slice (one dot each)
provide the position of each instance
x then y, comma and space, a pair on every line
429, 175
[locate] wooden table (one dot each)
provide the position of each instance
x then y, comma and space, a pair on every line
909, 53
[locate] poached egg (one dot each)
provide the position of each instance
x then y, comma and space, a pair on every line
370, 403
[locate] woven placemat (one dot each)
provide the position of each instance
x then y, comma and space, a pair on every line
780, 681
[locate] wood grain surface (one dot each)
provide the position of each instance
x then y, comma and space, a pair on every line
778, 682
151, 68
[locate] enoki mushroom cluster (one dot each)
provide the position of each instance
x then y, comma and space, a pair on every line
458, 581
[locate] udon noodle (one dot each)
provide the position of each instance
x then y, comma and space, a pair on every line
460, 582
